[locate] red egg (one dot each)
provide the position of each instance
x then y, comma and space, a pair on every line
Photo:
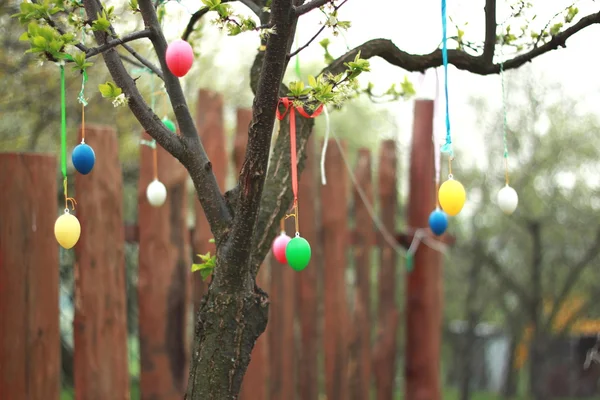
179, 57
279, 245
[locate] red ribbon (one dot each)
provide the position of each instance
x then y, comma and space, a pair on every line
288, 105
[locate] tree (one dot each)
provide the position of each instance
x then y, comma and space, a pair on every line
536, 261
244, 220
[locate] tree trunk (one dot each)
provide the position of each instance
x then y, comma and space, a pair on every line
472, 310
227, 329
509, 388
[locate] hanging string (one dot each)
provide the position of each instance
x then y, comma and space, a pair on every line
83, 102
504, 112
447, 148
420, 235
325, 142
291, 109
294, 163
436, 145
63, 137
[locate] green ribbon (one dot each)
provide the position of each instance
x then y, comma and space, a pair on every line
297, 66
81, 97
63, 122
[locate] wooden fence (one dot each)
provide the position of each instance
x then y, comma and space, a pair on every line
325, 336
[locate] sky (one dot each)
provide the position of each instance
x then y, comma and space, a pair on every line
415, 26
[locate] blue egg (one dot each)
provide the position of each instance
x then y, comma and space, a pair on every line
83, 158
438, 222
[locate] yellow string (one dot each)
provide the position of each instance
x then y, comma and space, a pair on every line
295, 214
82, 123
67, 198
282, 225
450, 165
155, 162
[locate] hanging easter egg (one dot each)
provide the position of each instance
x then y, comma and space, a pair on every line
67, 230
297, 253
156, 193
179, 57
508, 200
169, 124
83, 158
452, 196
438, 222
279, 245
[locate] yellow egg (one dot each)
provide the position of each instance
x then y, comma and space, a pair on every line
452, 196
67, 230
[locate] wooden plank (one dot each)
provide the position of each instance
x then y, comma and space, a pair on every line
29, 314
424, 282
164, 269
101, 364
334, 225
386, 347
209, 122
255, 384
275, 329
361, 346
308, 281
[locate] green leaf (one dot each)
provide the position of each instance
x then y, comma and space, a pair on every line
555, 29
312, 81
109, 90
205, 273
211, 240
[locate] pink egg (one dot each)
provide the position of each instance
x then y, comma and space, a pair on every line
179, 57
279, 245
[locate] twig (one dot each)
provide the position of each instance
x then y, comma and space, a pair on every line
299, 49
305, 8
92, 51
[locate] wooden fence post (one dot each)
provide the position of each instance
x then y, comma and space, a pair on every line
334, 217
101, 362
365, 236
282, 343
424, 282
209, 122
29, 314
164, 270
307, 282
255, 381
388, 316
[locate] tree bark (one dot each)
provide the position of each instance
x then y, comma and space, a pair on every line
228, 326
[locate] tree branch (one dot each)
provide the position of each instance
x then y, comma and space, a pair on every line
476, 64
299, 49
186, 149
204, 10
92, 51
308, 7
489, 44
194, 157
144, 62
254, 169
574, 275
506, 279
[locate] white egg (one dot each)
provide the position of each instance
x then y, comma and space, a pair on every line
508, 200
156, 193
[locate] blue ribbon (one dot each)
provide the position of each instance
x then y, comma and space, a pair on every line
447, 147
